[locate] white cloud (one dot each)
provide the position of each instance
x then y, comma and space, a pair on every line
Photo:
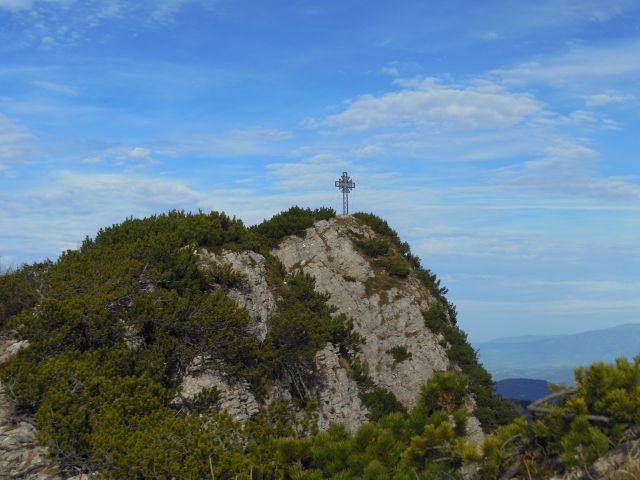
254, 140
481, 105
581, 116
607, 98
163, 11
566, 168
368, 151
558, 308
54, 23
485, 242
121, 155
607, 13
576, 65
15, 143
390, 70
57, 216
315, 172
15, 5
56, 87
490, 36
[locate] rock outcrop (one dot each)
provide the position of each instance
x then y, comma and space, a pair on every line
337, 394
385, 318
252, 292
234, 395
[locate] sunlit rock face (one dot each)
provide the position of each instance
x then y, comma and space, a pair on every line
386, 318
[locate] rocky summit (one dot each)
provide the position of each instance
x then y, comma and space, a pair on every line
309, 346
323, 317
387, 314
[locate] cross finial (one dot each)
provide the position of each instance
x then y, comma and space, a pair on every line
345, 185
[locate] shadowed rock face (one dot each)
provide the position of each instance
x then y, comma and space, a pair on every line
386, 319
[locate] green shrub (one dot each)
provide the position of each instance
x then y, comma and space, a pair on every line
305, 323
377, 224
374, 247
204, 401
394, 266
21, 289
293, 221
380, 402
224, 274
491, 410
399, 353
435, 318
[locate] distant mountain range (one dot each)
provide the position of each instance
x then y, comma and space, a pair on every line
522, 389
553, 358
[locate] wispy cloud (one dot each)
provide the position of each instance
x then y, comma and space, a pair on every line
429, 101
15, 143
607, 98
121, 155
247, 141
56, 87
16, 5
55, 23
568, 168
371, 150
315, 172
576, 64
56, 216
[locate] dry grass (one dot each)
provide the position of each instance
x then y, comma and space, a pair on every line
630, 469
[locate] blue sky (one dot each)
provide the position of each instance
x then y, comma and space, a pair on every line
499, 138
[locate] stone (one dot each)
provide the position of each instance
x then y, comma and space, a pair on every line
385, 319
337, 394
254, 295
235, 394
9, 348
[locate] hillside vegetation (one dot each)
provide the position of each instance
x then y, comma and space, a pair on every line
101, 404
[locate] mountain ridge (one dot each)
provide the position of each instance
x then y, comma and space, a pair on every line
554, 357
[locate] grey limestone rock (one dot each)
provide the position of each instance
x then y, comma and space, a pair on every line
9, 348
254, 295
385, 319
337, 394
235, 395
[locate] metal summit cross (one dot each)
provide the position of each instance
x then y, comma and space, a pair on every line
345, 185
